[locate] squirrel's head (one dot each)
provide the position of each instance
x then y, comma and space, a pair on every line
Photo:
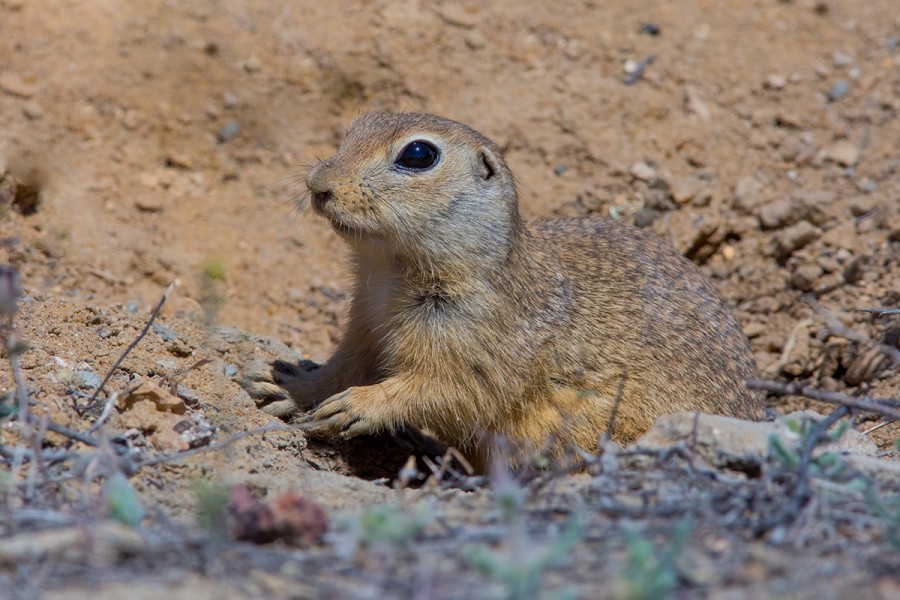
416, 183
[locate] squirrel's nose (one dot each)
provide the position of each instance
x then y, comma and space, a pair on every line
318, 180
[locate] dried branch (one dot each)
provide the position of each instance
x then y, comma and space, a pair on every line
218, 445
133, 344
880, 312
880, 406
840, 329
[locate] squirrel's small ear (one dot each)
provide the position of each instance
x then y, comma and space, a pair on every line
490, 164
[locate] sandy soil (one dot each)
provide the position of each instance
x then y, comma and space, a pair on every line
168, 141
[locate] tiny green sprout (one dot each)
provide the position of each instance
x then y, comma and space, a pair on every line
122, 502
650, 572
212, 502
214, 270
789, 460
392, 525
521, 566
8, 405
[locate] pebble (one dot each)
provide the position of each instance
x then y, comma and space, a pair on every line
475, 40
838, 90
86, 380
32, 110
841, 59
796, 237
781, 213
748, 194
776, 82
642, 171
843, 153
696, 104
229, 100
228, 131
252, 64
860, 205
164, 332
459, 14
14, 85
683, 189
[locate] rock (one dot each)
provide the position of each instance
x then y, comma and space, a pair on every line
805, 276
782, 213
861, 205
841, 59
459, 14
683, 189
161, 399
475, 40
796, 237
726, 442
228, 131
843, 235
14, 85
748, 195
696, 236
642, 171
252, 64
32, 110
104, 542
838, 90
695, 103
150, 204
776, 82
229, 100
843, 153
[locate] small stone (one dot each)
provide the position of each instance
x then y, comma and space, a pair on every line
166, 333
558, 170
843, 153
14, 85
162, 399
861, 205
86, 380
32, 110
459, 14
805, 276
696, 104
754, 330
229, 100
838, 90
781, 213
748, 194
131, 120
228, 131
252, 64
149, 204
841, 59
642, 171
189, 395
844, 235
683, 189
475, 40
776, 82
796, 237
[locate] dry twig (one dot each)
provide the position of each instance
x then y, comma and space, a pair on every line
878, 406
132, 345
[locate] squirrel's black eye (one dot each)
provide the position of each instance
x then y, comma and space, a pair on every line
418, 155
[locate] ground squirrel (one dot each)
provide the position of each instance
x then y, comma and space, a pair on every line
468, 322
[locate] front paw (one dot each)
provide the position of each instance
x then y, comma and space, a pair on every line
351, 413
274, 387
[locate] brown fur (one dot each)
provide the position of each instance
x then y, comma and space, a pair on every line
467, 322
